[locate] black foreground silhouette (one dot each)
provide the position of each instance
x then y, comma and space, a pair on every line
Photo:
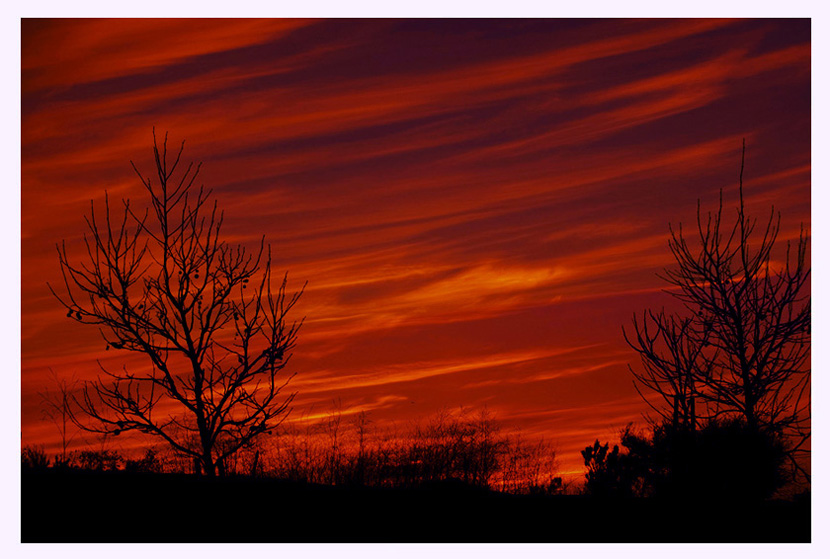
76, 506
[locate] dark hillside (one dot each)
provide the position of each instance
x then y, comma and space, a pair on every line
82, 506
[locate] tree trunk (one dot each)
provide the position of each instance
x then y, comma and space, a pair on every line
208, 466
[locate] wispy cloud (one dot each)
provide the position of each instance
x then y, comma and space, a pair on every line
477, 212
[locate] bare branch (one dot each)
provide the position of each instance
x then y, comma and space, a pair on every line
161, 283
742, 349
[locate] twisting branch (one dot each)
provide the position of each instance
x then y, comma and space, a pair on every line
162, 283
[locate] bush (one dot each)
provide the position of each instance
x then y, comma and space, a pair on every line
148, 463
722, 460
34, 458
612, 473
98, 460
463, 446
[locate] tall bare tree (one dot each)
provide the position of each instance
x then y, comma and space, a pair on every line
57, 408
743, 350
206, 316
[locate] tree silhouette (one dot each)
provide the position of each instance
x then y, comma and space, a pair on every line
671, 352
743, 349
161, 283
57, 407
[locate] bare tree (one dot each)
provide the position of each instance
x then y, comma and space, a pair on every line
743, 350
57, 407
205, 315
671, 352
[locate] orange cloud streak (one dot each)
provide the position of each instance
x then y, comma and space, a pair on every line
477, 213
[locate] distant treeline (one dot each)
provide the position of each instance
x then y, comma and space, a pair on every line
339, 449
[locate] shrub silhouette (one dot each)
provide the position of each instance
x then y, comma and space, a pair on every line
99, 460
448, 446
611, 473
34, 458
724, 460
147, 463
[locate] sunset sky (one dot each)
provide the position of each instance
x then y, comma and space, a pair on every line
478, 206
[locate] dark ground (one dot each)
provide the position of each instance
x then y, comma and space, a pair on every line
85, 507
